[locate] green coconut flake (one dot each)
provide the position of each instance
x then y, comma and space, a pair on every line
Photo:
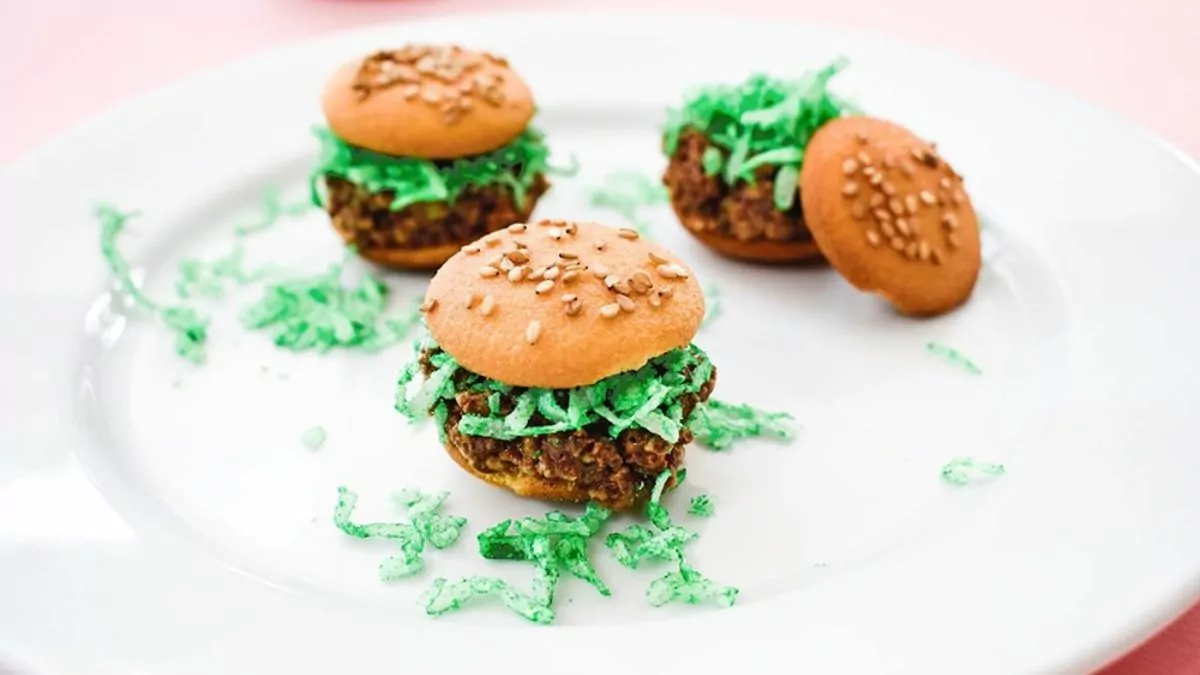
189, 326
313, 438
965, 470
413, 180
627, 193
702, 506
954, 357
207, 278
648, 398
762, 122
273, 210
716, 424
637, 544
554, 544
427, 526
320, 313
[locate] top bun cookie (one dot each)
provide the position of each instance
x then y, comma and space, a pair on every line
891, 215
561, 304
428, 101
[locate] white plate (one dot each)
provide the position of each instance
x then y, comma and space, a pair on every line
157, 517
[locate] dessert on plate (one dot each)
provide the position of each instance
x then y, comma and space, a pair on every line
734, 157
891, 215
559, 362
428, 147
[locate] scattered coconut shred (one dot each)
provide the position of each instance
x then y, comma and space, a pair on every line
427, 526
953, 357
627, 192
966, 470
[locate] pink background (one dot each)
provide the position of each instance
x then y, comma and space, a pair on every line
67, 61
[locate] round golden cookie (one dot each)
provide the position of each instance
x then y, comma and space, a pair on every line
559, 304
890, 215
428, 101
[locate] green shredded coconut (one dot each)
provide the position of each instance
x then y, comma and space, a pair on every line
412, 180
716, 424
637, 543
954, 357
702, 506
965, 470
274, 209
207, 278
764, 121
313, 438
554, 544
427, 526
190, 327
647, 398
320, 313
627, 192
712, 304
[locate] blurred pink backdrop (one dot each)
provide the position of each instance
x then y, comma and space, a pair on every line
69, 60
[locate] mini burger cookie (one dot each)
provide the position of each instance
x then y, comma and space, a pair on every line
428, 148
891, 215
734, 159
559, 361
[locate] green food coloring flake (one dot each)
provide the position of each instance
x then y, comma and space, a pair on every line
702, 506
426, 526
627, 192
189, 326
313, 438
637, 544
965, 470
954, 357
716, 424
273, 210
412, 180
763, 121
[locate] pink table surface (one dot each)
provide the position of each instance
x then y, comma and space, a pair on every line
1140, 59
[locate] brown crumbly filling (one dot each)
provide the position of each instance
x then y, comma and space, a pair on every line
616, 472
745, 211
365, 218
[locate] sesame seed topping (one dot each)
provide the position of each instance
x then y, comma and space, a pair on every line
655, 299
889, 189
492, 241
952, 239
554, 233
600, 244
622, 287
666, 291
471, 249
641, 283
550, 273
569, 297
881, 215
910, 205
888, 230
488, 272
494, 260
472, 300
906, 169
863, 157
488, 305
599, 271
573, 308
569, 276
626, 233
928, 198
507, 265
861, 136
875, 179
567, 255
950, 221
429, 305
533, 332
896, 206
898, 243
857, 210
849, 166
959, 198
911, 250
518, 273
935, 257
666, 271
872, 237
850, 188
626, 303
656, 258
544, 286
611, 280
519, 257
877, 200
570, 229
517, 228
869, 171
610, 310
923, 250
945, 183
902, 227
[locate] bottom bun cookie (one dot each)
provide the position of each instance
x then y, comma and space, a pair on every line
758, 250
410, 258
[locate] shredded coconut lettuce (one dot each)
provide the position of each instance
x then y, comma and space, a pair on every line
412, 180
764, 121
648, 398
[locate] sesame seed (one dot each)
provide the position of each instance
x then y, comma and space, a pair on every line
911, 250
923, 250
869, 171
857, 210
570, 229
849, 166
641, 284
569, 276
875, 179
910, 205
494, 260
544, 286
600, 244
567, 255
889, 189
611, 280
896, 206
471, 249
850, 189
959, 198
517, 228
533, 332
863, 157
429, 305
488, 272
888, 230
666, 291
599, 271
626, 233
610, 310
881, 215
898, 243
928, 198
862, 137
935, 257
950, 221
535, 274
507, 265
492, 241
472, 299
656, 258
666, 271
622, 287
877, 200
519, 257
573, 307
569, 297
906, 169
952, 239
518, 273
488, 305
872, 237
902, 227
680, 272
626, 303
945, 183
554, 233
550, 273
